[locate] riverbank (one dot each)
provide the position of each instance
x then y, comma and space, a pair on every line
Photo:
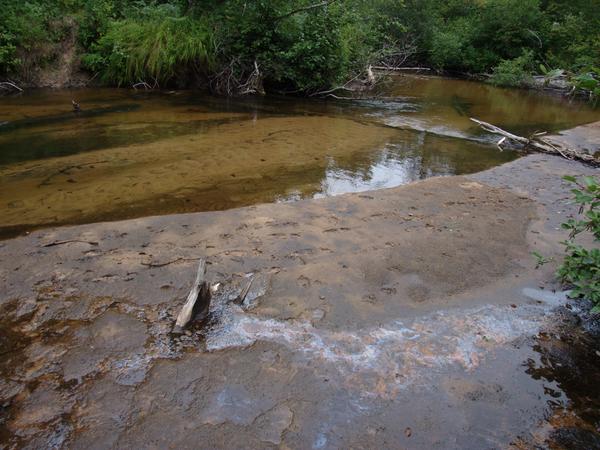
407, 316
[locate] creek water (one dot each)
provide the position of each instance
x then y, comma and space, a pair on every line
387, 340
132, 154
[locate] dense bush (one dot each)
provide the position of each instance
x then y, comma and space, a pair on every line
25, 29
157, 48
299, 48
514, 72
301, 51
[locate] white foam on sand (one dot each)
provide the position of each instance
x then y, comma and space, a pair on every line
401, 350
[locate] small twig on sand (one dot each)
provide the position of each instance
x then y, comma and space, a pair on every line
153, 264
52, 244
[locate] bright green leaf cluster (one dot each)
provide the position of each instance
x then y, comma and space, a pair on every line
581, 266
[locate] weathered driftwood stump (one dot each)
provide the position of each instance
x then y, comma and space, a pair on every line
198, 300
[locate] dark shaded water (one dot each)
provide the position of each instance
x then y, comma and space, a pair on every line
131, 154
568, 363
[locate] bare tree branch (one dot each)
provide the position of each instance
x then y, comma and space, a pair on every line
305, 8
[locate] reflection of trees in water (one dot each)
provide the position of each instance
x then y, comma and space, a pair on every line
570, 365
513, 109
79, 137
413, 156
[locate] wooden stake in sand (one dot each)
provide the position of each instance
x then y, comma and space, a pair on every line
198, 300
240, 298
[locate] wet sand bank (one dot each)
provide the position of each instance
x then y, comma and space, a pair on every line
405, 317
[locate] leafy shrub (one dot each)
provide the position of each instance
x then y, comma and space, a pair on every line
300, 52
514, 72
299, 48
574, 40
590, 82
581, 266
472, 36
24, 30
8, 52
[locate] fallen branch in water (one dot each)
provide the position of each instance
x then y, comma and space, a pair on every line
356, 85
143, 84
402, 69
539, 143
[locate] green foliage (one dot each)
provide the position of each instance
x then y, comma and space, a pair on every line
514, 72
540, 259
581, 266
469, 36
24, 29
301, 51
589, 82
300, 48
8, 52
155, 47
573, 41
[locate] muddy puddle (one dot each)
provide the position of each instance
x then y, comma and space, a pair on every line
133, 154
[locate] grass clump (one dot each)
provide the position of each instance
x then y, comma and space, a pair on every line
153, 49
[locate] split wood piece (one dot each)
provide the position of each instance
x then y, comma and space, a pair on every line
539, 143
240, 298
198, 300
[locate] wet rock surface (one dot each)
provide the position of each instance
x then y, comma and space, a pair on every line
415, 308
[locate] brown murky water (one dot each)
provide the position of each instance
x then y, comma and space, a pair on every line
132, 154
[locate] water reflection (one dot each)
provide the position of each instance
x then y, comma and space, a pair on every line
132, 154
413, 157
386, 173
568, 363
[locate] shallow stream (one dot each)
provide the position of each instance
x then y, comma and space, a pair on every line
134, 154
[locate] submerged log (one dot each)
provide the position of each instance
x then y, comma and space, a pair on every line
198, 300
402, 69
538, 143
